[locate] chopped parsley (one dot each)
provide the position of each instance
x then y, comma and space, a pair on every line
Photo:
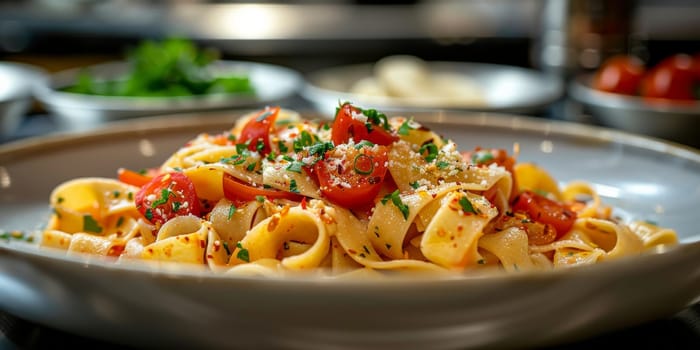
467, 205
304, 140
364, 143
242, 253
432, 150
231, 211
442, 164
320, 148
91, 225
376, 117
260, 198
482, 157
164, 194
295, 167
396, 200
405, 128
293, 186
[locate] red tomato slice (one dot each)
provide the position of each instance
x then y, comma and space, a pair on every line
167, 196
352, 177
258, 129
620, 74
544, 210
346, 126
236, 190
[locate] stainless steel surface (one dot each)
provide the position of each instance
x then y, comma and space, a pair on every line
16, 94
673, 121
505, 88
79, 111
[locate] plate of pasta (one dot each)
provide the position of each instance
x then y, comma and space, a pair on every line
447, 230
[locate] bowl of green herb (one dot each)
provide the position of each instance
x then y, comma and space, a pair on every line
170, 76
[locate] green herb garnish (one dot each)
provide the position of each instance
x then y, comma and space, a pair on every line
242, 253
396, 200
167, 68
90, 224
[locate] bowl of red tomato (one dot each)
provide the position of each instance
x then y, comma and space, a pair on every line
661, 100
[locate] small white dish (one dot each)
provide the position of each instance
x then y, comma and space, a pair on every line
504, 88
76, 111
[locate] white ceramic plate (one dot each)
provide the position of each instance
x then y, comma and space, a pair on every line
167, 308
505, 88
272, 83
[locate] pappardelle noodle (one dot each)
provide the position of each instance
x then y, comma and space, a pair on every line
277, 194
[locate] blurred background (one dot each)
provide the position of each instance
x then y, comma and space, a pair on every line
561, 38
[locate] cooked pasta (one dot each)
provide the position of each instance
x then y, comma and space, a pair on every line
364, 193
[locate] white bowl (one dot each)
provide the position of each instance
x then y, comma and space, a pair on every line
75, 111
672, 121
504, 88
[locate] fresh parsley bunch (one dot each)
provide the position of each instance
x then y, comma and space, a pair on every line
173, 67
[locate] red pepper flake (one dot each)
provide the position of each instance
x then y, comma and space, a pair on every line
284, 210
303, 203
274, 221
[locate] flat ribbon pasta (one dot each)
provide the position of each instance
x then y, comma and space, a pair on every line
268, 238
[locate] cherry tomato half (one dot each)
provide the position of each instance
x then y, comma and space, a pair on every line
347, 125
673, 79
352, 176
546, 211
166, 196
620, 74
257, 130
